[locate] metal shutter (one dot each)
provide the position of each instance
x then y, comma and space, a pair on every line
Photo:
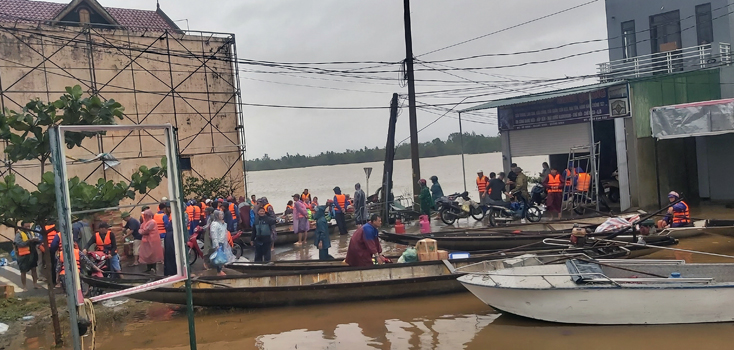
550, 140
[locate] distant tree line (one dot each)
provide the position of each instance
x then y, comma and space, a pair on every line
473, 144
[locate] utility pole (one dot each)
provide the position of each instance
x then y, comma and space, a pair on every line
415, 162
411, 102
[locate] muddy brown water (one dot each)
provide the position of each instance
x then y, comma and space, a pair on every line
458, 321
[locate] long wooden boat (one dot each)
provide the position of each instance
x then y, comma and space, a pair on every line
472, 241
582, 291
600, 251
330, 285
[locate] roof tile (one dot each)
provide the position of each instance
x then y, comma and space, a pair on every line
33, 11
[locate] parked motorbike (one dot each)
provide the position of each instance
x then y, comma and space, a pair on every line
538, 195
238, 246
96, 264
195, 245
445, 200
611, 187
512, 211
460, 208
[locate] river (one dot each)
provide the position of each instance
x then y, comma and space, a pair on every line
280, 185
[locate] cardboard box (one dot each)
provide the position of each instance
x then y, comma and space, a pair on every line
426, 256
426, 245
443, 255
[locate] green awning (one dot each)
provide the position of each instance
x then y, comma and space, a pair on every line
542, 96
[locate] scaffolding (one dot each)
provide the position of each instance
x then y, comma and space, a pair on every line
189, 79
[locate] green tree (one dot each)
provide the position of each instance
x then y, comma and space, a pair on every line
26, 133
197, 188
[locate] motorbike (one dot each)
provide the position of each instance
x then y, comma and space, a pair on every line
238, 246
96, 264
538, 195
611, 187
195, 246
445, 200
512, 211
460, 208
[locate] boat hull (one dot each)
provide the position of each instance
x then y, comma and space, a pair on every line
610, 306
298, 295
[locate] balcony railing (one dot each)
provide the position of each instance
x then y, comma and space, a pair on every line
685, 59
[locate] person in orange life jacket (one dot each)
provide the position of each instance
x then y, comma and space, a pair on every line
305, 196
25, 243
78, 258
105, 241
288, 208
678, 215
554, 185
583, 180
482, 184
234, 213
169, 248
193, 213
227, 209
159, 220
340, 207
314, 203
54, 239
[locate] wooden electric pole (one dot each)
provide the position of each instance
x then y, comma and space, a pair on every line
411, 102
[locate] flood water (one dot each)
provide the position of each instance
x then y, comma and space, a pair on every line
280, 185
457, 321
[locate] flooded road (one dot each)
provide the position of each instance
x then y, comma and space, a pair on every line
458, 321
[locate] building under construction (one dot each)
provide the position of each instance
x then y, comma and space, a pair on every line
140, 58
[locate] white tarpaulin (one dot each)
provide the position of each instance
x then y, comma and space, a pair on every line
693, 119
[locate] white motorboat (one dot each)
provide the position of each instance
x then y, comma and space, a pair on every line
579, 290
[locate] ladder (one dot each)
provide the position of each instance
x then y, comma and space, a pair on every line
580, 158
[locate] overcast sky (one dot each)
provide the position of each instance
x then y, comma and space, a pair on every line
372, 30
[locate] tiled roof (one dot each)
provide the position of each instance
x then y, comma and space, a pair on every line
33, 11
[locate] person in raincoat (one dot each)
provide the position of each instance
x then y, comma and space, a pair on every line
425, 198
218, 233
360, 205
321, 237
436, 190
151, 251
261, 235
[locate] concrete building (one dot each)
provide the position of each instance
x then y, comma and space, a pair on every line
140, 58
662, 53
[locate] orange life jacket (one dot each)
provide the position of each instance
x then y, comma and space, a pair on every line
342, 200
158, 217
289, 207
306, 197
76, 258
203, 211
49, 237
682, 217
554, 183
569, 177
229, 239
232, 210
584, 182
24, 250
101, 244
266, 206
482, 183
193, 212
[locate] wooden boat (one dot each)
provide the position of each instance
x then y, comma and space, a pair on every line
600, 251
700, 227
585, 291
472, 241
285, 234
330, 285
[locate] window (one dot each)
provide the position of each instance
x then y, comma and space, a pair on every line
665, 32
629, 39
84, 16
704, 25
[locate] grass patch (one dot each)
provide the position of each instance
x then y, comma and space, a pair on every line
13, 309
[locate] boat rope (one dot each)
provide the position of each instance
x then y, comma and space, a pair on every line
88, 309
667, 248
